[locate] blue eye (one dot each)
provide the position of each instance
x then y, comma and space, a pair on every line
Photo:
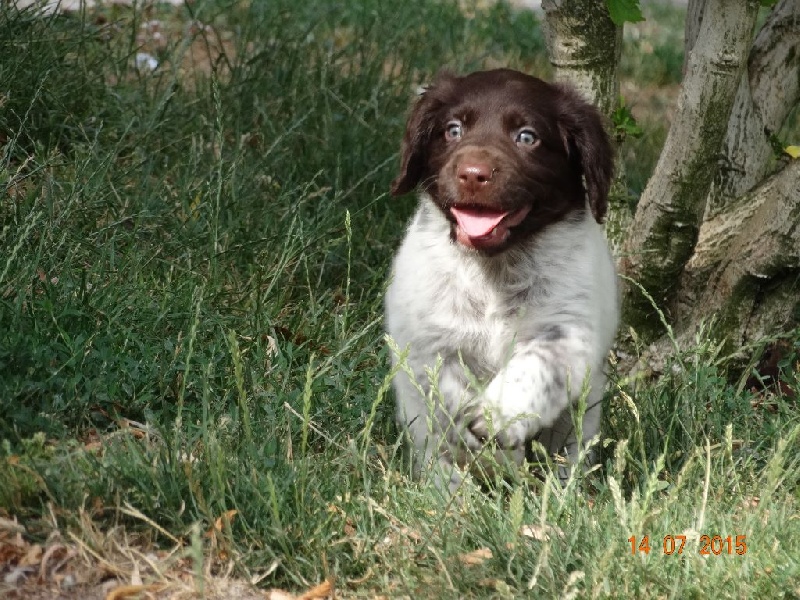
453, 130
526, 137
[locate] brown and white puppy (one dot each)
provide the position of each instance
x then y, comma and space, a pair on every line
503, 290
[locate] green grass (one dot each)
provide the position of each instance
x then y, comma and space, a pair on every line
192, 271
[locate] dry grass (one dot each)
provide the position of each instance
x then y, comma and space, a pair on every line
102, 563
97, 562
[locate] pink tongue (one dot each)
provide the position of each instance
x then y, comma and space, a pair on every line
477, 223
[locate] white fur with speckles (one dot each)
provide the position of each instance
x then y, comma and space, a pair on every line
499, 347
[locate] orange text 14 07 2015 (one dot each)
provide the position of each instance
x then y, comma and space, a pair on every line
709, 545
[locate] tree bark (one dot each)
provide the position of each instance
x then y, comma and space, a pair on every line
694, 18
584, 47
667, 221
745, 258
767, 93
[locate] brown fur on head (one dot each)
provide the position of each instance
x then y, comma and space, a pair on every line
510, 143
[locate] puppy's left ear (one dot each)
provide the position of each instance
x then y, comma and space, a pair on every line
414, 152
587, 142
419, 130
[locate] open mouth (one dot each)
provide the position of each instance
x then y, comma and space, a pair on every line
483, 227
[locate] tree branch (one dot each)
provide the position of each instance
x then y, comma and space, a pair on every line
758, 234
584, 47
665, 226
766, 95
753, 243
694, 18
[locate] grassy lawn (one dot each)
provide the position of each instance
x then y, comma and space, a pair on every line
194, 387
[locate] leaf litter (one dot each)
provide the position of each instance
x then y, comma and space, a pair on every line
109, 564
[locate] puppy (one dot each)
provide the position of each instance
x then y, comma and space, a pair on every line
503, 293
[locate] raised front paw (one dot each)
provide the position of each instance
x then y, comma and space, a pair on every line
475, 427
510, 435
460, 434
505, 415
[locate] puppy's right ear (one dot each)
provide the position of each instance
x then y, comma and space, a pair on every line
416, 140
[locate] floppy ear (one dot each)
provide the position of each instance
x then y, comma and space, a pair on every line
419, 129
587, 142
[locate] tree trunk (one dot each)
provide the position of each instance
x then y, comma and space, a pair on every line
585, 46
667, 221
578, 33
715, 237
745, 270
767, 93
694, 18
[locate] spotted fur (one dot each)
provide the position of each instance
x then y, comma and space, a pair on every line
501, 343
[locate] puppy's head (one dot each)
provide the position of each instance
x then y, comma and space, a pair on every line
503, 154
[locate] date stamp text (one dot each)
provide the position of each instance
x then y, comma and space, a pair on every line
715, 545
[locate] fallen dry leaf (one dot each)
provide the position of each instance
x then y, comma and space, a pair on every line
218, 524
323, 590
349, 527
476, 557
318, 592
751, 502
32, 556
541, 533
126, 591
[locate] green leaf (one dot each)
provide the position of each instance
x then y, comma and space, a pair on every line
625, 124
623, 11
769, 3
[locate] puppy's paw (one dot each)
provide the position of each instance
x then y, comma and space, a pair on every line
462, 436
508, 435
507, 415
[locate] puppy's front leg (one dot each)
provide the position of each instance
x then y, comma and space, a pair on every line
433, 400
538, 384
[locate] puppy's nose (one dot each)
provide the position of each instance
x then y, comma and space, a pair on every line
474, 175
